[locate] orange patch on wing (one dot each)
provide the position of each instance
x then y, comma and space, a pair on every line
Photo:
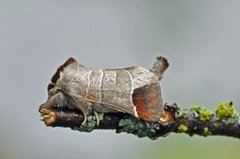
153, 97
139, 100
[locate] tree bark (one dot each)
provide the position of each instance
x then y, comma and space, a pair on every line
196, 121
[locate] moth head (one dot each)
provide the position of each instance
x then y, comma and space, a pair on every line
56, 98
46, 109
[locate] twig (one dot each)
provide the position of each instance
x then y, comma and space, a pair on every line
196, 121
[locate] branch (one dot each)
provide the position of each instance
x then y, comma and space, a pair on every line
196, 121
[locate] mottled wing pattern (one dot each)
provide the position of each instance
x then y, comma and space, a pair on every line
112, 88
134, 90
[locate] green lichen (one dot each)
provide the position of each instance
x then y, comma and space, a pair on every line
127, 122
206, 131
182, 128
183, 113
225, 110
141, 129
91, 123
202, 113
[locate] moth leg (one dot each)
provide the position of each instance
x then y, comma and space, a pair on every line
160, 66
84, 112
96, 115
92, 108
80, 104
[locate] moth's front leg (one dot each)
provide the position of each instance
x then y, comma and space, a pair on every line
79, 103
85, 108
91, 106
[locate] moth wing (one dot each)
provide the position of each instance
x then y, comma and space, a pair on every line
115, 100
148, 101
56, 75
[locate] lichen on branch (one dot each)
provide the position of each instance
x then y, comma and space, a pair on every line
201, 121
196, 121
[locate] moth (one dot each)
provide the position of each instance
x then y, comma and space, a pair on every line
134, 90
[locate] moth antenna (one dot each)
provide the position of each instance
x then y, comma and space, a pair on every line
160, 67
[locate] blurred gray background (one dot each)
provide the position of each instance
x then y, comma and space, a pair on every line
201, 40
